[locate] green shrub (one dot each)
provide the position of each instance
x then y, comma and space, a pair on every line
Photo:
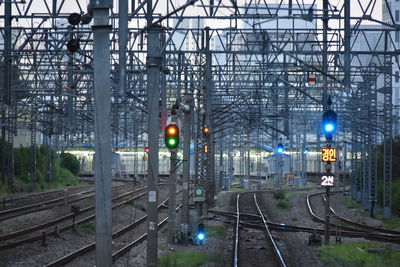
284, 204
280, 194
64, 175
70, 162
396, 197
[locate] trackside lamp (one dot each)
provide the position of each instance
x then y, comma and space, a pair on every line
329, 121
172, 136
280, 149
200, 233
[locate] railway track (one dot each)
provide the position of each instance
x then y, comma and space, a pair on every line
58, 201
248, 220
358, 229
273, 255
119, 253
360, 225
12, 200
61, 223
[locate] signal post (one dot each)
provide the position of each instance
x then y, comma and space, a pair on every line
172, 142
329, 122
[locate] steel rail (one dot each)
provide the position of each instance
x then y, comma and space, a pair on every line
65, 228
365, 231
357, 224
67, 258
143, 237
292, 228
37, 194
277, 251
236, 249
42, 205
61, 219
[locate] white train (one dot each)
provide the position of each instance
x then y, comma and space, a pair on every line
262, 164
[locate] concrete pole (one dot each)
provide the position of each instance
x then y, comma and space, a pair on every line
102, 108
248, 160
325, 54
153, 65
347, 41
123, 40
172, 197
209, 120
324, 103
70, 99
6, 92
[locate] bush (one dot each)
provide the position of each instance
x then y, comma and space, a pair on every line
284, 204
70, 162
396, 197
280, 194
64, 175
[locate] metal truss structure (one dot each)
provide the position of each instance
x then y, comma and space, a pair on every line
246, 65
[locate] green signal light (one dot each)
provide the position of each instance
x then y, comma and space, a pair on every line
172, 136
171, 142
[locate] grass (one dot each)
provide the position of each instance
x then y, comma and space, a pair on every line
356, 254
135, 205
283, 201
3, 189
284, 204
87, 228
186, 258
237, 189
348, 202
216, 231
392, 223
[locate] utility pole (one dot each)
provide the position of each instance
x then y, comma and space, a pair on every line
186, 167
153, 64
102, 107
123, 40
172, 187
329, 122
7, 154
209, 120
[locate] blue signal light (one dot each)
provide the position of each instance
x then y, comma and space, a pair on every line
329, 128
329, 122
280, 149
200, 236
200, 233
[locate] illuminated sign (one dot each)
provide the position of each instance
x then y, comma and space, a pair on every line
291, 180
327, 180
329, 154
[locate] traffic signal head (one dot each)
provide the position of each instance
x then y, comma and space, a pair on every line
147, 150
206, 130
172, 136
74, 18
73, 45
329, 119
280, 149
200, 232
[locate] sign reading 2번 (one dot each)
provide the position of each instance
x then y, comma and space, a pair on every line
328, 154
327, 180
